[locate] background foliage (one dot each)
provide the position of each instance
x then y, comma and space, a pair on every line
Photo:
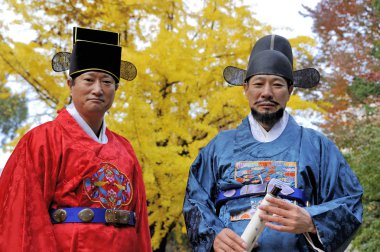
349, 35
13, 111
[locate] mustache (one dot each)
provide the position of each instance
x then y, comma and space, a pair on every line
266, 101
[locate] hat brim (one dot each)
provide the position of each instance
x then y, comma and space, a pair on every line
61, 62
303, 78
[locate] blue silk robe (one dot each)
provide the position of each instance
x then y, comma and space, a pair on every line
321, 171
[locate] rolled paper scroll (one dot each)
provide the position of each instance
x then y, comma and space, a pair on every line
256, 226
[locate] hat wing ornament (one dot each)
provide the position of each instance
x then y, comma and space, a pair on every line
304, 78
61, 62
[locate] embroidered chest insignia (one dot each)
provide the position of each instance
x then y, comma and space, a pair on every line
109, 187
261, 172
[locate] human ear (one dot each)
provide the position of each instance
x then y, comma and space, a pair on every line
69, 83
245, 86
290, 89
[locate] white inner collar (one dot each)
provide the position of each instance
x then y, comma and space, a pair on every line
82, 123
261, 135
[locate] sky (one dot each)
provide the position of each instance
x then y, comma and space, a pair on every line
282, 15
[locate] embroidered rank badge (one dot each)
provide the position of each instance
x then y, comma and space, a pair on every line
109, 187
260, 172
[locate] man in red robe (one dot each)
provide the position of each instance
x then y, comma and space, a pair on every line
72, 184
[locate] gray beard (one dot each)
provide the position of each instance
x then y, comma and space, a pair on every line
267, 118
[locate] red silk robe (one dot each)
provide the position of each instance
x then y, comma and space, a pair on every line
58, 165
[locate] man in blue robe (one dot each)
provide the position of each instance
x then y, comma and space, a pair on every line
225, 185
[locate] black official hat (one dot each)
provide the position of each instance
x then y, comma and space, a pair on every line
95, 50
272, 55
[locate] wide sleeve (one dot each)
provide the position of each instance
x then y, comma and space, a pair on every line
26, 190
199, 210
142, 226
337, 210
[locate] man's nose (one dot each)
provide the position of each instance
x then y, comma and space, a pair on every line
97, 87
267, 91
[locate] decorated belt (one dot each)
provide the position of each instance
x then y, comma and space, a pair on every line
92, 215
257, 190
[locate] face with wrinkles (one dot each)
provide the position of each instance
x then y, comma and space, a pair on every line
93, 93
267, 96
